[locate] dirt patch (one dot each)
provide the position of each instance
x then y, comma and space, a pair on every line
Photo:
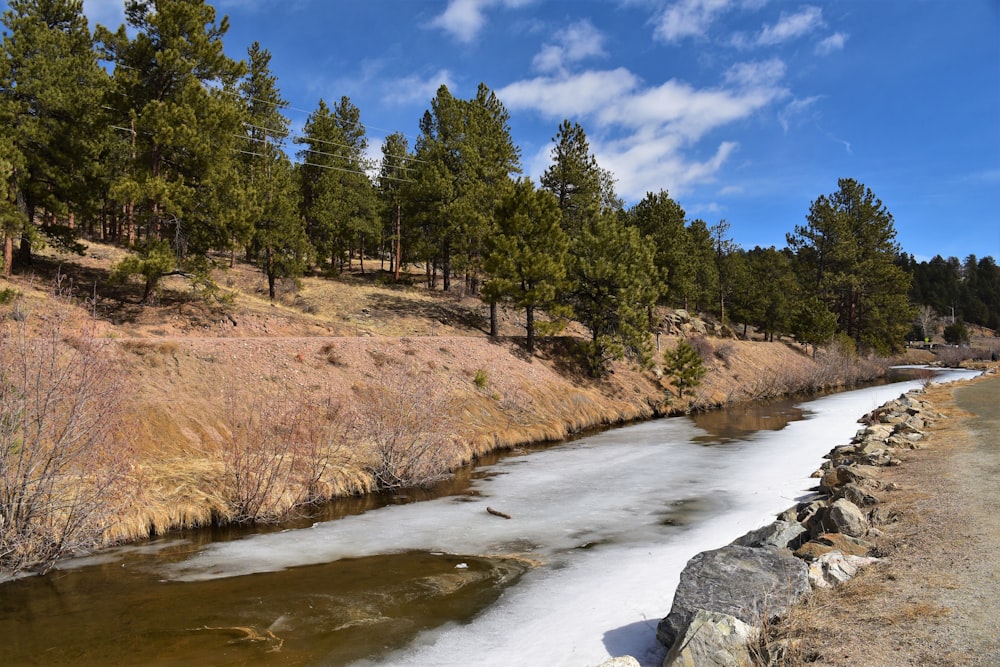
934, 598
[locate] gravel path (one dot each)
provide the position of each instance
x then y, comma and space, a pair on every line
935, 599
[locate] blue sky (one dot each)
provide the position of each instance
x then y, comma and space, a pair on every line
746, 110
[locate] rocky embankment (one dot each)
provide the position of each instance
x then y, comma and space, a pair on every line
727, 595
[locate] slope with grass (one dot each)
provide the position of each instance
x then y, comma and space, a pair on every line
239, 408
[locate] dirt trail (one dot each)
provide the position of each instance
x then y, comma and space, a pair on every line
935, 600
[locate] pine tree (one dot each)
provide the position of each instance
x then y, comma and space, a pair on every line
393, 176
846, 254
703, 286
685, 367
574, 176
50, 82
661, 220
275, 232
526, 255
337, 196
464, 159
613, 288
173, 95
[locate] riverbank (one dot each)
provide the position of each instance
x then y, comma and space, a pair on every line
931, 599
241, 414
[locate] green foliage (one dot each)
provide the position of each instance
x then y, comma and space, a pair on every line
338, 199
172, 94
481, 379
956, 333
49, 82
154, 260
526, 254
812, 322
846, 255
8, 295
968, 289
574, 176
464, 161
661, 220
613, 289
685, 367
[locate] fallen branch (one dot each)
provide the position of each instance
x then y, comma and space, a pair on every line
497, 513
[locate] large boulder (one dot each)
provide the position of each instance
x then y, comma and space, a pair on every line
779, 534
845, 517
749, 583
713, 640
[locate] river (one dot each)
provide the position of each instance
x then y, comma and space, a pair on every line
600, 529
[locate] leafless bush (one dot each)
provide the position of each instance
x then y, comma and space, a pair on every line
63, 450
725, 352
276, 456
403, 421
703, 346
954, 356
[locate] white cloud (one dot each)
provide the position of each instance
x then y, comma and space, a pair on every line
573, 44
834, 42
413, 88
569, 96
463, 19
688, 18
649, 135
791, 26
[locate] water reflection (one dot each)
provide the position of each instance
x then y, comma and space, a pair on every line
741, 421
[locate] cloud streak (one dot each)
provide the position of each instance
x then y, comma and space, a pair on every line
464, 19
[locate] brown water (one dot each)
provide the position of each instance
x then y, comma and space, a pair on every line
331, 614
121, 612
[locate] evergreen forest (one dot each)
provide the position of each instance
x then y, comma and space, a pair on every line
150, 137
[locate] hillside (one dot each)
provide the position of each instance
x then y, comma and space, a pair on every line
234, 408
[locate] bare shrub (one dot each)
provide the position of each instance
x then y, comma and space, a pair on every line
276, 456
954, 356
64, 452
725, 352
332, 355
703, 346
404, 425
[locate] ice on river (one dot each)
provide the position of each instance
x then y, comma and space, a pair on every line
613, 518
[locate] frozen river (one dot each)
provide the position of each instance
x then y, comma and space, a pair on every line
606, 523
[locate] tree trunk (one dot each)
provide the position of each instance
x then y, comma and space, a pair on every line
530, 322
493, 318
399, 242
269, 263
8, 254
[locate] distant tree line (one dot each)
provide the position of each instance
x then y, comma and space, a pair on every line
152, 138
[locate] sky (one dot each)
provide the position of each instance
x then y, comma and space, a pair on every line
743, 110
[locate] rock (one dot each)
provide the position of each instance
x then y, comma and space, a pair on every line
748, 583
713, 640
780, 534
808, 512
835, 568
856, 495
682, 315
842, 516
824, 544
623, 661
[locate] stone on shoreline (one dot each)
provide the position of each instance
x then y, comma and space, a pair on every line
712, 639
751, 584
